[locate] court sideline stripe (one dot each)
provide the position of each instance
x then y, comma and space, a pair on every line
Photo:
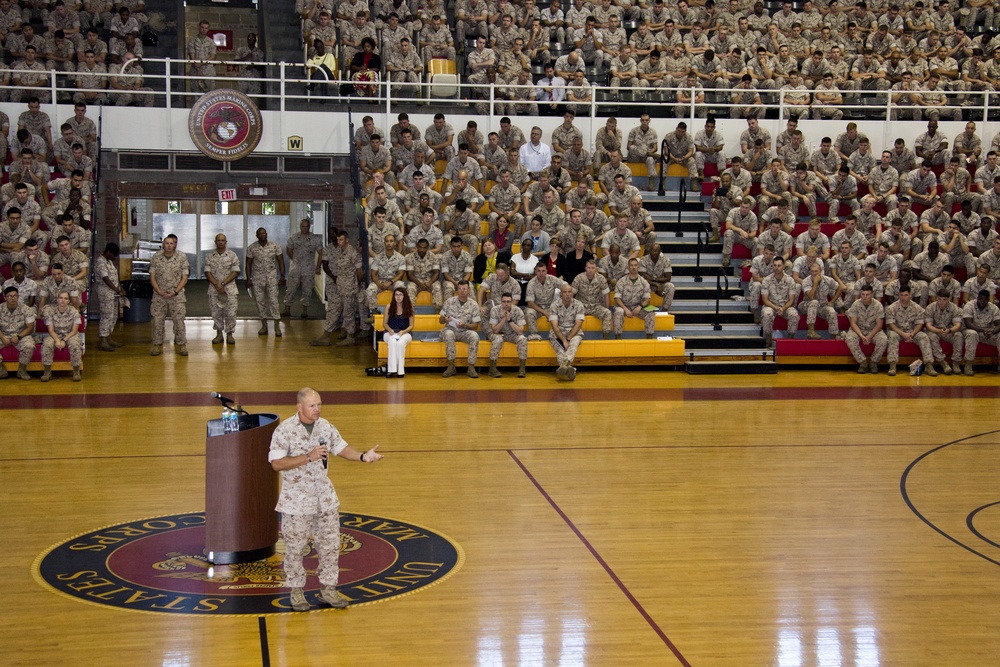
265, 655
494, 450
607, 568
192, 399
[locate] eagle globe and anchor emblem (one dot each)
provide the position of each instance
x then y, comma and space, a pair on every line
225, 124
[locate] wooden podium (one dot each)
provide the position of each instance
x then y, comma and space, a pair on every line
241, 490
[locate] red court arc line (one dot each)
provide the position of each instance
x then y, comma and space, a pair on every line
607, 568
451, 396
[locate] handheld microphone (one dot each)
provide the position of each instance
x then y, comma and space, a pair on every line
224, 399
322, 443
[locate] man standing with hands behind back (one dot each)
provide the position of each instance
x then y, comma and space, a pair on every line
308, 502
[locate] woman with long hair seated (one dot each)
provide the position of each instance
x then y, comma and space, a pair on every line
398, 323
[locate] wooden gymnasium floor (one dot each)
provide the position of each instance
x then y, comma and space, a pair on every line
631, 518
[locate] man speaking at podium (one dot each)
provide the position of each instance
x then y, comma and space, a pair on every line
308, 503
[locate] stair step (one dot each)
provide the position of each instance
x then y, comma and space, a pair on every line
708, 317
688, 305
720, 342
731, 367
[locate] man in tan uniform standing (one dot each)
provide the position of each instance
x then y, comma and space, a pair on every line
301, 250
222, 267
308, 502
265, 271
168, 273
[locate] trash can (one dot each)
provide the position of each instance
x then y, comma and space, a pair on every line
140, 296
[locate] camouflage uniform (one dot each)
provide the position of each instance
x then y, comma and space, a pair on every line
658, 270
591, 295
308, 502
223, 306
543, 296
422, 268
680, 146
62, 323
565, 318
945, 318
169, 271
13, 322
632, 293
507, 333
986, 318
455, 267
867, 319
19, 234
779, 290
265, 277
497, 289
641, 144
906, 319
505, 199
342, 292
109, 298
747, 223
201, 48
73, 263
301, 275
466, 313
387, 268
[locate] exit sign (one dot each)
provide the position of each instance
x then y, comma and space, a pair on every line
227, 194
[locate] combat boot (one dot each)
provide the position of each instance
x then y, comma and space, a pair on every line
471, 372
451, 370
47, 375
812, 335
106, 345
3, 370
329, 595
521, 372
22, 372
298, 600
494, 371
325, 340
156, 351
892, 369
76, 374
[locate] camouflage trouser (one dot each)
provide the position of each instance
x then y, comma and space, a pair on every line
341, 306
497, 341
223, 308
666, 290
730, 237
955, 339
325, 531
813, 309
920, 338
301, 279
435, 290
449, 335
854, 345
565, 356
601, 313
767, 315
74, 345
648, 317
25, 348
109, 314
265, 293
972, 341
718, 159
176, 310
531, 318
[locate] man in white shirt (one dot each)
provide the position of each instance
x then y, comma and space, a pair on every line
535, 155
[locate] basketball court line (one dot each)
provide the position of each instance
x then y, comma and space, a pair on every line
401, 396
265, 654
597, 556
494, 450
